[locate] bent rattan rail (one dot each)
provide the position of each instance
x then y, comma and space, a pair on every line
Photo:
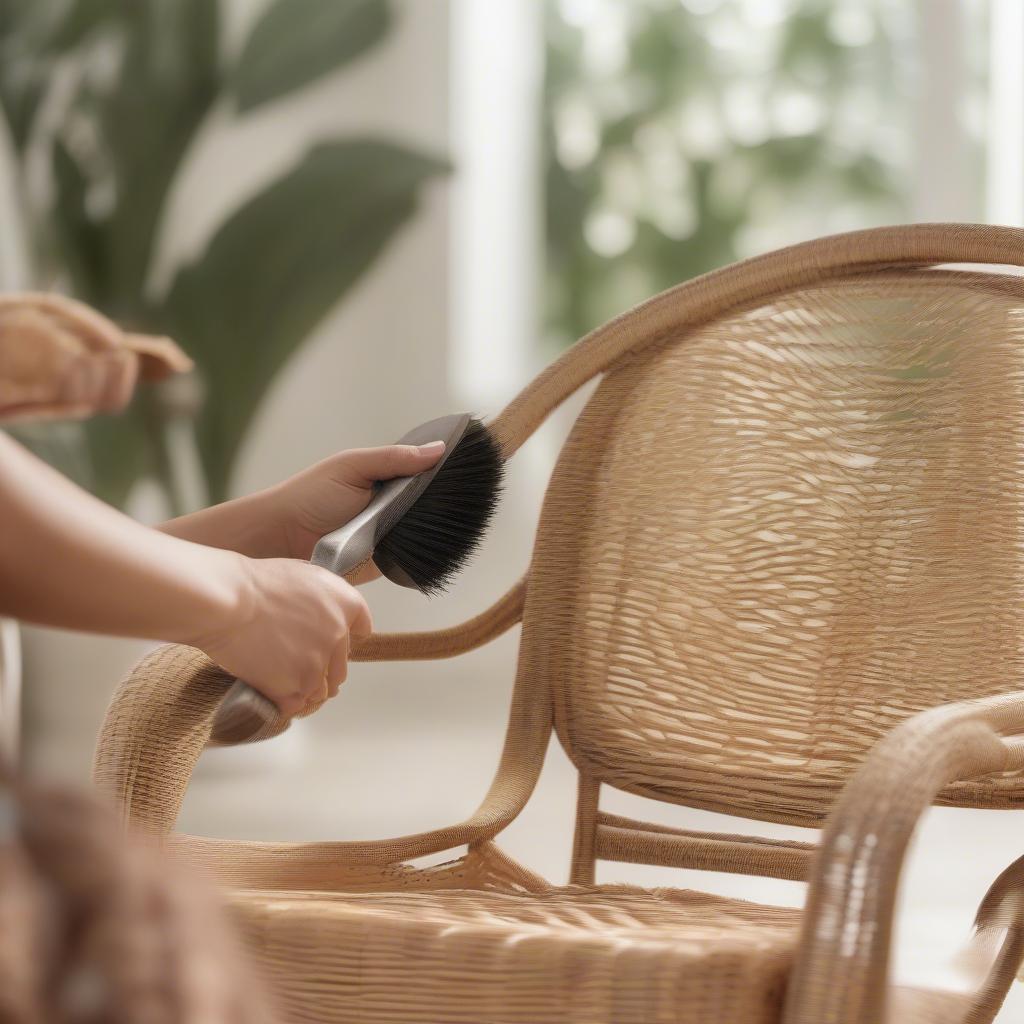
778, 574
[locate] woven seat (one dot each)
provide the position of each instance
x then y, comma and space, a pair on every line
565, 955
779, 573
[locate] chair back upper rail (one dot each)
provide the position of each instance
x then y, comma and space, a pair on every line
749, 281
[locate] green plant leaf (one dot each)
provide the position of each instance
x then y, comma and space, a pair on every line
61, 443
32, 34
75, 235
71, 22
24, 73
276, 267
169, 78
297, 41
12, 13
119, 453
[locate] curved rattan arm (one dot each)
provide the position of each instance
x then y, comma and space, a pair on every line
842, 970
447, 643
704, 298
237, 726
161, 717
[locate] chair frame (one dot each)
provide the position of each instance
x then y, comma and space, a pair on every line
162, 716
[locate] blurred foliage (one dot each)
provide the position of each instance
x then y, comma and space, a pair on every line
104, 99
681, 136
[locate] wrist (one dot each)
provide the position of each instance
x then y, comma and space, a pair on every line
267, 515
252, 526
223, 599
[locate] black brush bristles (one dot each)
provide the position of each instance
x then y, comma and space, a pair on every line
435, 538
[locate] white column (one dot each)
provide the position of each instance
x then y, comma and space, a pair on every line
497, 60
1004, 177
12, 277
13, 272
942, 180
10, 691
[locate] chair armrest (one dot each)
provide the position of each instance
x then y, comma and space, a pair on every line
447, 643
156, 727
842, 970
161, 717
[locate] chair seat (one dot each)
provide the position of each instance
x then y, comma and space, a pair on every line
606, 953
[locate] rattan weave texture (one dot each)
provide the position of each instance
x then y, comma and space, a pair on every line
771, 540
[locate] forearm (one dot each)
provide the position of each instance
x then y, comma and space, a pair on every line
287, 520
67, 559
243, 525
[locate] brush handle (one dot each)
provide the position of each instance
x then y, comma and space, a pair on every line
245, 714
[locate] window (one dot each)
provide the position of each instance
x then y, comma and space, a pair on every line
663, 138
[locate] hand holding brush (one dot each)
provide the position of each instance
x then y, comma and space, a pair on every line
418, 530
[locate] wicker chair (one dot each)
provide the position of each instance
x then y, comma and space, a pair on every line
779, 573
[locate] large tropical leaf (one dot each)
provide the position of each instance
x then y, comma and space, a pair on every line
76, 236
61, 444
145, 120
297, 41
68, 22
169, 78
276, 267
24, 71
121, 453
12, 14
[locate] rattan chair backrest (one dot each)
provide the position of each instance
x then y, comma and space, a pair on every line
772, 537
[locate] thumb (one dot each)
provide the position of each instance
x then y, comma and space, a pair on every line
363, 466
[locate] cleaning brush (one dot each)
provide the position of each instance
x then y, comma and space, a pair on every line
418, 530
434, 538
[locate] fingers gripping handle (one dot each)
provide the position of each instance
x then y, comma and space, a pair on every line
246, 715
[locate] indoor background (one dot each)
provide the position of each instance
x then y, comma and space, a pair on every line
353, 237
